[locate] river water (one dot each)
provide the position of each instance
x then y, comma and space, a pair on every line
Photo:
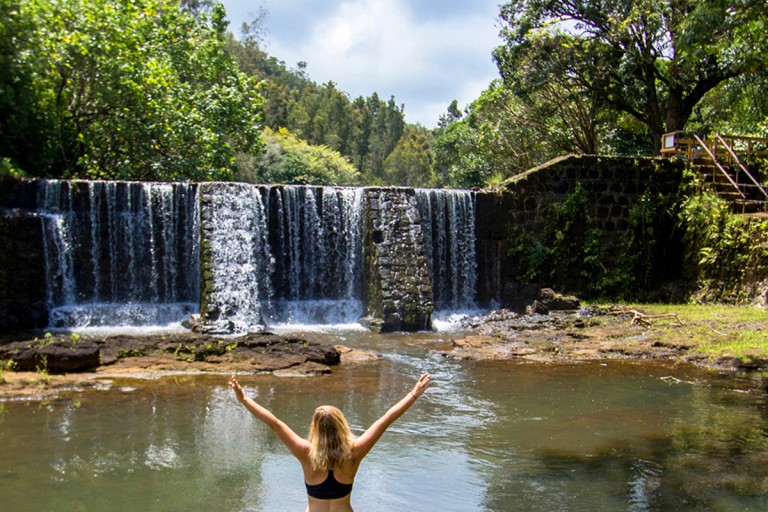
488, 436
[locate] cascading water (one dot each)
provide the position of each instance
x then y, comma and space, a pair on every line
239, 288
448, 223
119, 254
282, 255
315, 238
129, 254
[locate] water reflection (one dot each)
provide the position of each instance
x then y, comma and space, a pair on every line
493, 436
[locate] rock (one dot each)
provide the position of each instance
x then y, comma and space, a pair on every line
194, 323
557, 302
483, 347
761, 295
371, 323
308, 369
537, 308
549, 300
356, 355
52, 355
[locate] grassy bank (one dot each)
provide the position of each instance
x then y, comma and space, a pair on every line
714, 331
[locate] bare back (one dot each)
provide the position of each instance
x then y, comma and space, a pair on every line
344, 474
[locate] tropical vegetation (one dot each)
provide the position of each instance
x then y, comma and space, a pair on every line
610, 77
139, 90
165, 90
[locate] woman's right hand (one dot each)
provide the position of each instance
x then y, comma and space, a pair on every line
236, 388
421, 385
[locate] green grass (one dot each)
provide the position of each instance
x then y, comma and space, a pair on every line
714, 330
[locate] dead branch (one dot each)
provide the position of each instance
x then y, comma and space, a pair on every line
641, 318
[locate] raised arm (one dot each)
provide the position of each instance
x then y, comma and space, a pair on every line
298, 446
365, 442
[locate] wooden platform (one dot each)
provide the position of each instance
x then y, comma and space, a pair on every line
736, 167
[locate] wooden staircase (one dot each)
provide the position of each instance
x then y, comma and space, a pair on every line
735, 167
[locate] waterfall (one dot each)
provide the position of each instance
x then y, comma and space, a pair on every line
119, 253
131, 254
316, 239
282, 255
448, 223
235, 230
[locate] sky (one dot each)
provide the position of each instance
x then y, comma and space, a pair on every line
425, 53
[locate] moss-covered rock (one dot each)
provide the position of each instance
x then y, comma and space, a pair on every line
397, 284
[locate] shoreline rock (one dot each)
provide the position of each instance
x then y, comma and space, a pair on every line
26, 375
588, 334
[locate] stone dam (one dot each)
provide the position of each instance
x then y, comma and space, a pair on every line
242, 257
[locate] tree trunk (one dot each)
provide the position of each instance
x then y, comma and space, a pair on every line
678, 111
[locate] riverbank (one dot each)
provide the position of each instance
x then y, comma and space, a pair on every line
42, 366
724, 338
727, 338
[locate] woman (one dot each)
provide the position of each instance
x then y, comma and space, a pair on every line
331, 455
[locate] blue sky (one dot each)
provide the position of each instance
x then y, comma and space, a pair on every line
425, 53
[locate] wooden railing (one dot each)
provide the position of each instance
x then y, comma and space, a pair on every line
713, 157
748, 149
735, 161
729, 156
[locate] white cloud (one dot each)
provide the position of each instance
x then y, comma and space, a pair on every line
424, 59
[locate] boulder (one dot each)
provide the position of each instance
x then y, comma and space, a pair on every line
549, 300
55, 356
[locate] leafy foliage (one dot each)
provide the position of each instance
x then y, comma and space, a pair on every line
288, 159
410, 163
159, 90
652, 59
497, 139
727, 250
458, 162
123, 90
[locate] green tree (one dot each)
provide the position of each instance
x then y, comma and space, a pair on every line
497, 138
289, 159
738, 107
410, 163
554, 102
124, 89
452, 115
386, 126
515, 135
653, 59
458, 161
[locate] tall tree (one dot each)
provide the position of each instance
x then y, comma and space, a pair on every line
501, 135
387, 124
653, 59
124, 89
458, 160
410, 163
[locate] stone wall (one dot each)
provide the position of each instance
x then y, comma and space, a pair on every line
612, 189
397, 285
613, 186
22, 269
398, 291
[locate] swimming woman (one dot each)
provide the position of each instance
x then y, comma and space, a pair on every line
331, 454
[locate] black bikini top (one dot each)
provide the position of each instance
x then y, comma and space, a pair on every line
331, 489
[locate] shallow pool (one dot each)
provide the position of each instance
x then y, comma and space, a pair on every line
488, 436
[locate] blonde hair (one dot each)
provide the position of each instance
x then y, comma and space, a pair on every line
330, 438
